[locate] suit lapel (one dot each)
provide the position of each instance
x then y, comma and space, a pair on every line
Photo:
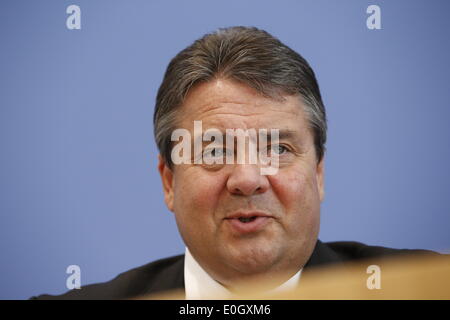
171, 278
322, 255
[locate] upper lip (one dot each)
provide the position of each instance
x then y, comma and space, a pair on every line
241, 214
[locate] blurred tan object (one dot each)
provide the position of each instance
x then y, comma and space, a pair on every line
407, 278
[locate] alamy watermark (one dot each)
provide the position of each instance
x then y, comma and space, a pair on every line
73, 22
261, 149
373, 22
74, 280
374, 280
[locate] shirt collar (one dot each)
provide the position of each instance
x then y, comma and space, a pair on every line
200, 285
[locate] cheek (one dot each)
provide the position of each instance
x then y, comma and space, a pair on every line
291, 189
298, 194
196, 194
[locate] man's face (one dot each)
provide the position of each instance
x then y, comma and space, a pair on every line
205, 198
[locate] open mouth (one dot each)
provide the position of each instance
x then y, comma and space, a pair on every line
248, 224
249, 219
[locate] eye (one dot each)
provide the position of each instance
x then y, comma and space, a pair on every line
278, 149
214, 152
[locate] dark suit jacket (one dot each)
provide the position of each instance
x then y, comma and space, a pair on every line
168, 274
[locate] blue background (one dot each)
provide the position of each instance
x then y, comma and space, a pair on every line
78, 178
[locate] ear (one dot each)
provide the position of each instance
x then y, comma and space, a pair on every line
167, 182
320, 178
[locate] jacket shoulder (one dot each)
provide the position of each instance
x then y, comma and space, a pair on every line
157, 276
352, 250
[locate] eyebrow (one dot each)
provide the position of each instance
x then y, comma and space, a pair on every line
286, 134
283, 134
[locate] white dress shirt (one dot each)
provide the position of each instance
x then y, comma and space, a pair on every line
200, 285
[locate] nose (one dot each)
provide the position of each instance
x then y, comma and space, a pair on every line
247, 180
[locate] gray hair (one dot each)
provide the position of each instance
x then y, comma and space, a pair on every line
245, 54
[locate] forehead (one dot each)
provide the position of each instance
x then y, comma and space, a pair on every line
228, 104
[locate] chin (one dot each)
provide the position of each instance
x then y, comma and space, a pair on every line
253, 259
